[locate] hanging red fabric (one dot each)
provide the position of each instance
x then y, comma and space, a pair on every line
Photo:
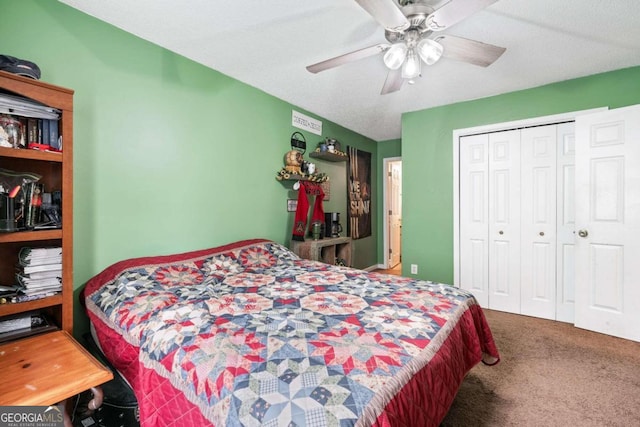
302, 211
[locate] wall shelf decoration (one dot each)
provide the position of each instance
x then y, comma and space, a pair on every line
285, 175
336, 156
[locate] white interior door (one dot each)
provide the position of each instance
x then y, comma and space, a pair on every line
608, 222
566, 223
395, 212
474, 216
504, 221
538, 221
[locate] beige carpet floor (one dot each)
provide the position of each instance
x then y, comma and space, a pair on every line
551, 374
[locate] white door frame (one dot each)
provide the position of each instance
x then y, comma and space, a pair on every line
495, 127
385, 213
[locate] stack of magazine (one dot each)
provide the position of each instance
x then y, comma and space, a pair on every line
24, 325
39, 272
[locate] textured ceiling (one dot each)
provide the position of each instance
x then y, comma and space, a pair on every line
268, 44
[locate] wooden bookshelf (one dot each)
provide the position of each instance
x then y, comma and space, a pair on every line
56, 171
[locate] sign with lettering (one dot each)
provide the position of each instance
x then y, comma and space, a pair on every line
359, 193
302, 121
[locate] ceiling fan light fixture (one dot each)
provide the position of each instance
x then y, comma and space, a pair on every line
394, 57
411, 67
430, 51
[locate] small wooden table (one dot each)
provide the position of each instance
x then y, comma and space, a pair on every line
47, 369
326, 250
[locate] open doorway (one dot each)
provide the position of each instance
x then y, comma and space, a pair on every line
392, 195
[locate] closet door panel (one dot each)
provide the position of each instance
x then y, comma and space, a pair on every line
608, 222
538, 221
566, 224
504, 221
474, 212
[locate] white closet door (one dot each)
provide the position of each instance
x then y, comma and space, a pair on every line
474, 213
538, 221
566, 224
504, 221
608, 222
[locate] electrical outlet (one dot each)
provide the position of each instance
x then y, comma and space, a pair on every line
414, 268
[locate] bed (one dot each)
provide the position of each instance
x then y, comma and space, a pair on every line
249, 334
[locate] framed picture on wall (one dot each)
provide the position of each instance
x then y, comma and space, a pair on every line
292, 205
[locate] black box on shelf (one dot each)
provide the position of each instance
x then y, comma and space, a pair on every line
7, 213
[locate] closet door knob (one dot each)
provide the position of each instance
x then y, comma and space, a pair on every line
500, 232
583, 233
541, 233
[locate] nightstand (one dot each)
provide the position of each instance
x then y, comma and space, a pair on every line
47, 369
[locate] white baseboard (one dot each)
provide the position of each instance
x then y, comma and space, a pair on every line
374, 267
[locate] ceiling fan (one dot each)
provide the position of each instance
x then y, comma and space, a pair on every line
409, 26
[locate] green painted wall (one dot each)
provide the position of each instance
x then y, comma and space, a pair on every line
169, 155
427, 152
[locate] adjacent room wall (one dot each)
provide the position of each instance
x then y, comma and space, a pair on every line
386, 149
170, 156
427, 228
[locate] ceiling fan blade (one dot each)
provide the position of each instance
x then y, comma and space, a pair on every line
386, 13
471, 51
393, 82
454, 12
348, 57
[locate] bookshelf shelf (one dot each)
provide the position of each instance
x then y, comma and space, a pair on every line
31, 236
10, 308
20, 153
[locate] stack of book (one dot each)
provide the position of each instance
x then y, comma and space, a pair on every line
39, 272
38, 124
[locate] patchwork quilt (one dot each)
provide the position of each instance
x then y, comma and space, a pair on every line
249, 334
